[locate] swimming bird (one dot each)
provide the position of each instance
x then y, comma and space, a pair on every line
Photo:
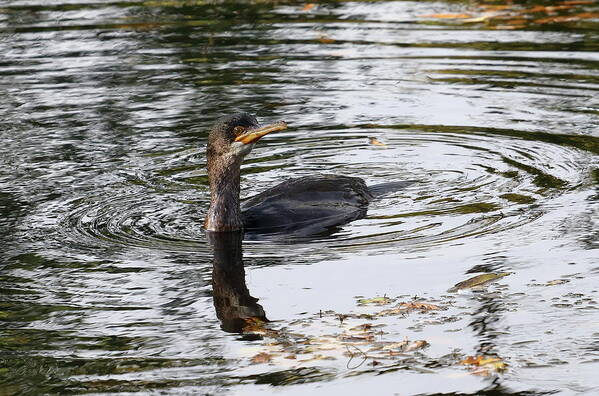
303, 206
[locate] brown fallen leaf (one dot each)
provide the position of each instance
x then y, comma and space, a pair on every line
357, 339
478, 280
420, 306
493, 7
568, 18
325, 39
308, 7
392, 311
448, 16
262, 357
256, 325
540, 9
406, 307
405, 346
414, 345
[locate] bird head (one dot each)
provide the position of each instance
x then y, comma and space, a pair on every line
234, 136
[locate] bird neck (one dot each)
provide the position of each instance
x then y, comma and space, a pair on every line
224, 213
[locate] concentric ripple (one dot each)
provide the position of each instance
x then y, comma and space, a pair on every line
470, 183
142, 220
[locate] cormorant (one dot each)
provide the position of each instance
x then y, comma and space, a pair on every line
306, 206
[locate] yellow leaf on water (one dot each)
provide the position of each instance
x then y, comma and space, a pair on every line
448, 16
478, 280
375, 300
376, 142
484, 365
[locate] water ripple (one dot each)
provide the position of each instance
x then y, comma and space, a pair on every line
470, 183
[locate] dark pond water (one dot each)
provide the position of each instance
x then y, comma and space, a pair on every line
106, 276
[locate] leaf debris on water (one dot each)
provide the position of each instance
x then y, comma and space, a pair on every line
557, 282
376, 142
261, 357
484, 365
406, 307
477, 281
254, 325
376, 300
358, 338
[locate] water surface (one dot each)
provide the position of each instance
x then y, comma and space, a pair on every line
107, 280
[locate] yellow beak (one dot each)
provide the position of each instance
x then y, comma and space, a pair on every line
254, 135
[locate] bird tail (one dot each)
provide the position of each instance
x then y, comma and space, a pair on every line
385, 188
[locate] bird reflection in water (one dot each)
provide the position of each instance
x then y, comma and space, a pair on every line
232, 300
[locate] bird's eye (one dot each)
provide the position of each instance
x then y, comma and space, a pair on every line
238, 130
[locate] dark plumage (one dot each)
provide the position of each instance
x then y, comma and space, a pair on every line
309, 204
306, 206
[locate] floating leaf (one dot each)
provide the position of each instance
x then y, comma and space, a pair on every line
376, 142
478, 280
392, 311
484, 365
357, 339
366, 327
262, 357
256, 325
395, 345
406, 346
308, 7
420, 306
514, 16
375, 300
557, 282
494, 7
568, 18
406, 307
324, 39
448, 16
418, 344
